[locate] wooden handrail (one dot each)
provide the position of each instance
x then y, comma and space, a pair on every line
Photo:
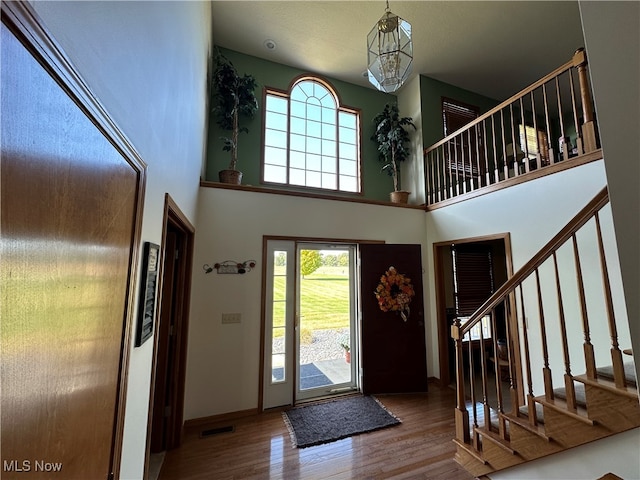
561, 69
582, 217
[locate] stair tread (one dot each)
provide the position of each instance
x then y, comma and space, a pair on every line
523, 410
523, 422
495, 438
470, 450
560, 405
606, 373
628, 391
581, 396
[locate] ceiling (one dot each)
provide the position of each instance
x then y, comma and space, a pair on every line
489, 47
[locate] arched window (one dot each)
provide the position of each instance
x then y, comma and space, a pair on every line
310, 140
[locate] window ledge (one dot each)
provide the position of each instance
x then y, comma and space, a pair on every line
317, 196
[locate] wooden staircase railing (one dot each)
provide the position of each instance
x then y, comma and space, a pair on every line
549, 299
555, 114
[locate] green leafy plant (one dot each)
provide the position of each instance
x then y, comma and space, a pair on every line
392, 139
345, 346
233, 98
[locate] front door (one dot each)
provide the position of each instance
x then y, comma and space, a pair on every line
393, 348
310, 334
326, 327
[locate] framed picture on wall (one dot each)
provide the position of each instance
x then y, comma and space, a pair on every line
148, 288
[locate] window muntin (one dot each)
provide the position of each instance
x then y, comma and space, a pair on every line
310, 140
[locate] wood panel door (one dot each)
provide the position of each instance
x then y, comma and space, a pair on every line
393, 350
68, 219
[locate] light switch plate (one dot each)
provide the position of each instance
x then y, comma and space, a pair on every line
231, 318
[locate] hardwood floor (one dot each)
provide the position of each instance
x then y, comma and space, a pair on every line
260, 448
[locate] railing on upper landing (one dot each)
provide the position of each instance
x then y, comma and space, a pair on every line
534, 132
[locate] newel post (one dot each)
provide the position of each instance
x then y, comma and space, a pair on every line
462, 415
588, 122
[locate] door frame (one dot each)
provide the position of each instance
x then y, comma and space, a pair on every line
444, 329
263, 312
174, 218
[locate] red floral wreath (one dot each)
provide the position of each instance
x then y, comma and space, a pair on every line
394, 293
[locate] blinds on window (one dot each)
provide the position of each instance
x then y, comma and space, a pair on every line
456, 115
473, 277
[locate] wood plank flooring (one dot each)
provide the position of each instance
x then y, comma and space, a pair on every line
260, 448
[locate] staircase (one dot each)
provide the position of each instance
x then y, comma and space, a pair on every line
560, 315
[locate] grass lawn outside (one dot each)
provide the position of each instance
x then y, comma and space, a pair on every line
324, 299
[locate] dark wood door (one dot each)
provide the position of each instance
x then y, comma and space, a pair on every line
68, 219
164, 372
393, 350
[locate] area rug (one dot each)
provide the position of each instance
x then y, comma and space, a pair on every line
336, 419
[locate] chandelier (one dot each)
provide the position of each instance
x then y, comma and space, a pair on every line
390, 52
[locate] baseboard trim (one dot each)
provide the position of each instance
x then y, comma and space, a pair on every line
222, 418
434, 381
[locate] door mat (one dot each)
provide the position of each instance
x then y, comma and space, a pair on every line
336, 419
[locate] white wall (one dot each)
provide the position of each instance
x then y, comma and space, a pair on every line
147, 64
224, 360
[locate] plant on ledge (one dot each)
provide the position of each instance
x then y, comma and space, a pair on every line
234, 98
392, 139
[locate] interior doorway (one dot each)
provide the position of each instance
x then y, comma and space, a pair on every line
168, 380
498, 265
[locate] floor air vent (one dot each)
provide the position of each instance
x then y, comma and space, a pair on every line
216, 431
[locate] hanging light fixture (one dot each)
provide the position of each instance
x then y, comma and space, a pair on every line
390, 52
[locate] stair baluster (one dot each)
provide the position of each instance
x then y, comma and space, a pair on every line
568, 378
474, 402
461, 413
498, 378
616, 353
531, 404
589, 357
546, 371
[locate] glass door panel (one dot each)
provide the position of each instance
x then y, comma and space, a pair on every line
278, 379
325, 314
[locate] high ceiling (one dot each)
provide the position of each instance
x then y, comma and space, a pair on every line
489, 47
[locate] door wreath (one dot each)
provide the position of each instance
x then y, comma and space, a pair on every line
394, 293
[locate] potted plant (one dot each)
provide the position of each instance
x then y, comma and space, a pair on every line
347, 351
392, 139
233, 98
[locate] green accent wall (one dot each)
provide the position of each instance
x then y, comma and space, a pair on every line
431, 92
376, 185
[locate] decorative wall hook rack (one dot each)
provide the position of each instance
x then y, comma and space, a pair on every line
230, 266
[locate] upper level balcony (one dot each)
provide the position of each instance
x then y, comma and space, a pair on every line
547, 127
